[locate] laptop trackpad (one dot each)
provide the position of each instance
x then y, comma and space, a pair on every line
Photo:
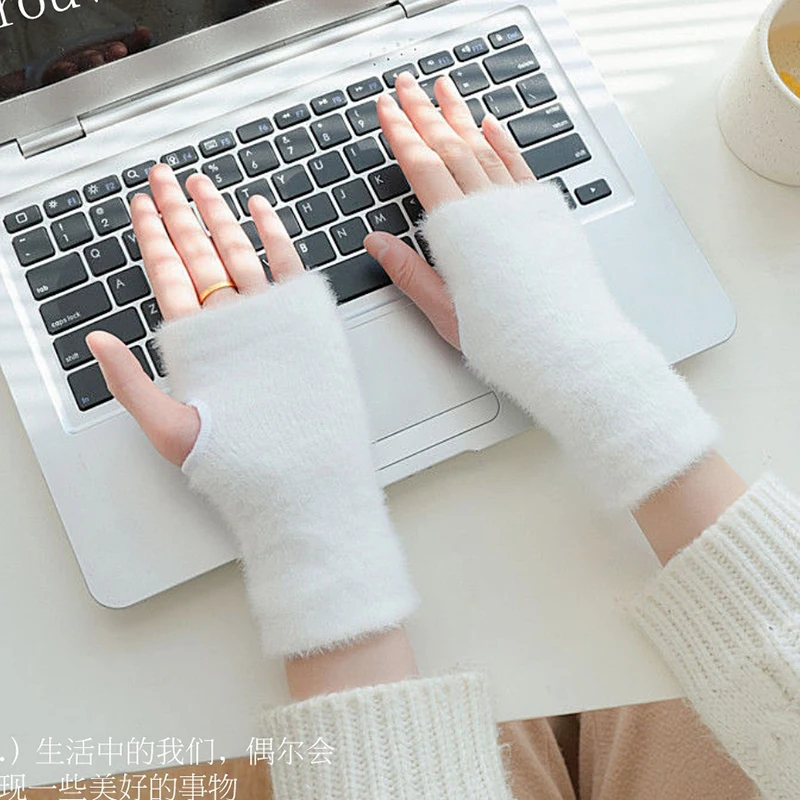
410, 374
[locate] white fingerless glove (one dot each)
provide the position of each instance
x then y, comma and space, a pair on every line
537, 322
284, 456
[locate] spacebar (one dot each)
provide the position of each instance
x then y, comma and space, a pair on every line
355, 277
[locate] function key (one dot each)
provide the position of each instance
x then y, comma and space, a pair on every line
390, 76
363, 89
328, 102
505, 37
33, 246
135, 176
181, 158
60, 204
292, 116
436, 62
105, 187
471, 49
254, 130
217, 144
592, 192
20, 220
511, 64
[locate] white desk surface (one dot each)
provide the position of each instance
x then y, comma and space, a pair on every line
517, 576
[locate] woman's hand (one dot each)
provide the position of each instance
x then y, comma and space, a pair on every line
444, 157
181, 262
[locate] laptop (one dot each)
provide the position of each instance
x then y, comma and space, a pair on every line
278, 98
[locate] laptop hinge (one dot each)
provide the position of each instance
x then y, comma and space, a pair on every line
414, 7
63, 133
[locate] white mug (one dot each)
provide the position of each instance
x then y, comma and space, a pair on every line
759, 115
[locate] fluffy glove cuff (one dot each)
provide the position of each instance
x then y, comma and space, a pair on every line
284, 456
538, 322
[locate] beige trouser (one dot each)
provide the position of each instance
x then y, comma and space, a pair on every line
659, 751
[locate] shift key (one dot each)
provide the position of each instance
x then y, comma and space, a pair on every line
547, 159
72, 309
72, 349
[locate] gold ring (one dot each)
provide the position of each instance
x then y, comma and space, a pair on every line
215, 288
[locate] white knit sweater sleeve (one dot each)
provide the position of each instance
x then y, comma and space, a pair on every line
432, 738
725, 614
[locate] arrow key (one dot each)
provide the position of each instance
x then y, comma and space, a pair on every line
592, 192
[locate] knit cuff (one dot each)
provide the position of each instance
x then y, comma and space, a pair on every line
432, 738
725, 614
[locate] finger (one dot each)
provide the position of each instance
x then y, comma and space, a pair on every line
233, 246
459, 117
171, 283
425, 171
440, 137
284, 260
192, 243
171, 426
417, 279
502, 142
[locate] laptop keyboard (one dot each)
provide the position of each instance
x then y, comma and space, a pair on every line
324, 165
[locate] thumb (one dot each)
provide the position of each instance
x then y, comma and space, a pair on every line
171, 426
417, 279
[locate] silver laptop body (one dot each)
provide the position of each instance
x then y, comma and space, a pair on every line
134, 527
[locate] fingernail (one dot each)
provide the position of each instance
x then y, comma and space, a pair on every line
377, 245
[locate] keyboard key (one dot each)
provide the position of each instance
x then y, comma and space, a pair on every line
70, 310
364, 118
390, 76
315, 250
536, 90
437, 61
71, 231
104, 256
19, 220
327, 169
129, 285
141, 190
503, 102
142, 358
33, 246
292, 183
57, 276
477, 110
353, 196
388, 218
254, 130
505, 37
232, 206
356, 277
541, 125
220, 143
132, 245
428, 87
101, 189
62, 203
259, 187
364, 154
592, 192
510, 64
72, 349
223, 171
389, 182
556, 156
109, 216
349, 236
316, 211
292, 116
181, 158
472, 49
414, 209
331, 131
364, 89
295, 145
289, 221
328, 102
155, 357
562, 187
258, 159
89, 387
469, 79
135, 176
251, 232
386, 146
151, 313
182, 177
